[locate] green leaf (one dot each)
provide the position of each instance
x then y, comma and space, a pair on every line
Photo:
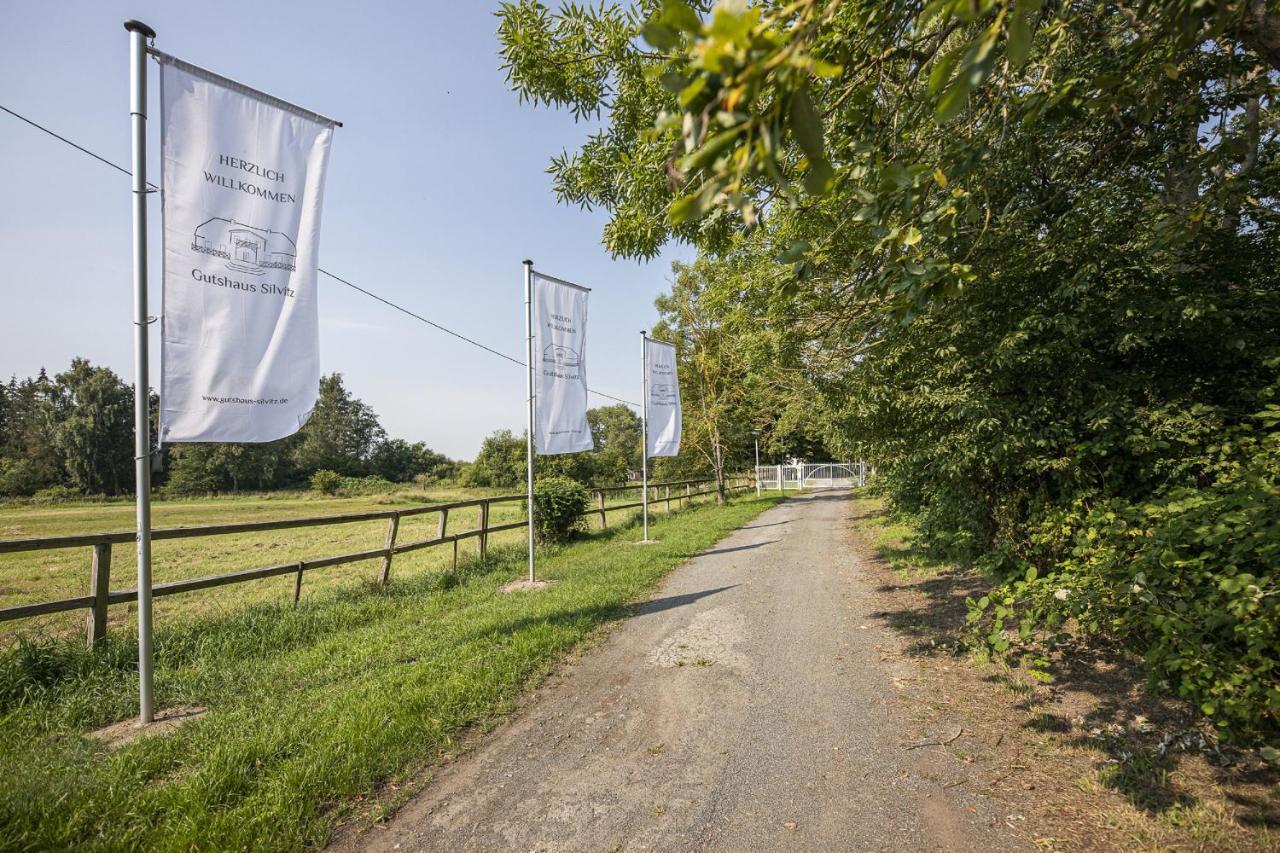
690, 92
678, 15
818, 179
952, 101
1019, 40
806, 126
709, 150
659, 35
794, 252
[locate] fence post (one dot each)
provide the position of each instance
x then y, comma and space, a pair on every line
604, 521
484, 529
666, 491
688, 497
444, 521
297, 584
99, 585
392, 527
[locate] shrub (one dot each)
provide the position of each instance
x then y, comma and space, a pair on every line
370, 485
1186, 578
558, 505
326, 482
18, 478
56, 495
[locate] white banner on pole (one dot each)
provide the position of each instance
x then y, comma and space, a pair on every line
560, 366
664, 399
243, 177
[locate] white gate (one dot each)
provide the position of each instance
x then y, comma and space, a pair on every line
807, 475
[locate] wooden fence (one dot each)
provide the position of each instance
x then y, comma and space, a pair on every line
101, 596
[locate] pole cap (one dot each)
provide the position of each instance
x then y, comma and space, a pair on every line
138, 27
527, 262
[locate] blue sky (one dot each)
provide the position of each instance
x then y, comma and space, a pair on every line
437, 189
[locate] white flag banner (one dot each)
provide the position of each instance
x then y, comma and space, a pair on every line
243, 177
560, 366
664, 398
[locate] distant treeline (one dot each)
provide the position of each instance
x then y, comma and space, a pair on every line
73, 434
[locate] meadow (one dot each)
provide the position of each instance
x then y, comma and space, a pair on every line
318, 714
45, 575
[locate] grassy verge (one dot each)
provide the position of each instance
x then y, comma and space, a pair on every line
1092, 758
309, 708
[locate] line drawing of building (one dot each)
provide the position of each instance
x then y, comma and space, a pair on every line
662, 394
244, 247
562, 356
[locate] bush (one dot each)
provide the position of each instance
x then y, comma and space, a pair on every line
326, 482
370, 485
1186, 578
56, 495
18, 478
558, 505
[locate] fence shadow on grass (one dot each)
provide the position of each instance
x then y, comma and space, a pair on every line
1091, 704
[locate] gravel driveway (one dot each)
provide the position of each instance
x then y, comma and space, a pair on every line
749, 705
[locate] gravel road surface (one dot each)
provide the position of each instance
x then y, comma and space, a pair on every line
750, 705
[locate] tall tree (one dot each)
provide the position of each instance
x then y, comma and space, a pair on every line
1030, 253
93, 416
341, 434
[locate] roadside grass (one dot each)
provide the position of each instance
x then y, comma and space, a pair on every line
895, 540
46, 575
314, 711
1107, 752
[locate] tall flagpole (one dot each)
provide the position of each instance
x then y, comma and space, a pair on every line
138, 35
528, 345
644, 425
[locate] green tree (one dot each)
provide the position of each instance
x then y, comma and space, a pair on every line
93, 434
1022, 254
710, 364
341, 434
394, 459
219, 467
616, 432
500, 462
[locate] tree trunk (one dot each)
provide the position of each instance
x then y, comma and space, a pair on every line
1260, 29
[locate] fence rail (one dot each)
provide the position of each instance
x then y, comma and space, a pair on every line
101, 596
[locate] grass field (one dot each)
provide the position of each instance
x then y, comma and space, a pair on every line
317, 713
46, 575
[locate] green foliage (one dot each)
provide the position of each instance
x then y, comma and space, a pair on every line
18, 478
94, 432
326, 482
1023, 255
500, 464
56, 495
558, 505
341, 433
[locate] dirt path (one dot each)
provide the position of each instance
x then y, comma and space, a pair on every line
751, 705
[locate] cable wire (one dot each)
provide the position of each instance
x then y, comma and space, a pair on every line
336, 278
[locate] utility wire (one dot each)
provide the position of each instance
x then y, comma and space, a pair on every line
336, 278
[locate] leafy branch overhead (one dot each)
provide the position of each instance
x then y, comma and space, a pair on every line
1024, 254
